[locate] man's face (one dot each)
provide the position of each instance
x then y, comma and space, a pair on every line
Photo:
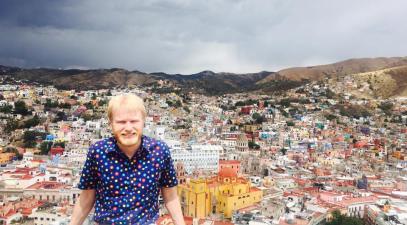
127, 127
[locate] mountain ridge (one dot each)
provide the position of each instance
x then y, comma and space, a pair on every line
207, 82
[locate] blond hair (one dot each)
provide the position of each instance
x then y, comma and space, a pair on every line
129, 101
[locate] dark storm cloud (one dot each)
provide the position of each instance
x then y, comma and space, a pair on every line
180, 36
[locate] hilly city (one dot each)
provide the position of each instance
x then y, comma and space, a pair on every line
305, 145
196, 112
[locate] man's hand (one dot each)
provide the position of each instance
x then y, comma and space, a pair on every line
173, 205
83, 206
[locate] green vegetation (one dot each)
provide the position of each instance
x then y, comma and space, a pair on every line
258, 119
60, 116
90, 117
278, 86
175, 104
286, 102
20, 108
89, 105
330, 116
228, 107
60, 144
45, 147
65, 105
34, 121
102, 102
10, 149
6, 108
339, 219
354, 111
330, 94
186, 109
290, 123
247, 102
253, 145
50, 104
11, 125
30, 138
386, 107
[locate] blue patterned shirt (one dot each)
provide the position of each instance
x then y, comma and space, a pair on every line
127, 189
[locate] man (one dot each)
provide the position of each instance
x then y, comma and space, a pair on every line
124, 174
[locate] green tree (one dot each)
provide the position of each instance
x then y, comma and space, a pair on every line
285, 102
64, 105
60, 116
45, 147
11, 125
20, 108
339, 219
102, 102
253, 145
29, 139
6, 108
50, 104
10, 149
178, 104
330, 117
261, 120
386, 107
32, 122
255, 116
88, 105
330, 94
60, 144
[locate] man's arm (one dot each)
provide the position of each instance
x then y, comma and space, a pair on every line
173, 204
83, 206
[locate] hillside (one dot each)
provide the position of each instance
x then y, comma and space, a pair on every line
387, 77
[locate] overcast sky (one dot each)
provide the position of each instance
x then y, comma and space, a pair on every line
181, 36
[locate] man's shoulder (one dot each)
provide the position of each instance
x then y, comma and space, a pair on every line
104, 144
153, 143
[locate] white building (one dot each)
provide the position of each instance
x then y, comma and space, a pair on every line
201, 157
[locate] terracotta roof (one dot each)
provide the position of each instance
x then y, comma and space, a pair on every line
229, 162
227, 172
47, 185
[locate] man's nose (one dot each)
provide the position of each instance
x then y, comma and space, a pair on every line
128, 126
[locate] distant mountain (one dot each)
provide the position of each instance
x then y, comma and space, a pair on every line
205, 82
346, 67
381, 83
208, 82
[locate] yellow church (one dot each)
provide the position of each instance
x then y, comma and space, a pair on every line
222, 194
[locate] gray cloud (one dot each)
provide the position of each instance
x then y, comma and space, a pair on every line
188, 36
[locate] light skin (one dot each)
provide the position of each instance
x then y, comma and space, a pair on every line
127, 127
